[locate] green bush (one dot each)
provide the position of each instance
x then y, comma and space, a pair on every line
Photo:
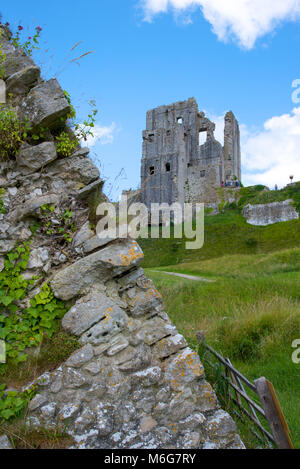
13, 403
65, 145
13, 131
25, 328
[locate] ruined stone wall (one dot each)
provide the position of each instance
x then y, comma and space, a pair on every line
268, 214
135, 382
232, 150
175, 166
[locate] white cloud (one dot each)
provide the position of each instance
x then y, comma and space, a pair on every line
242, 20
101, 134
270, 154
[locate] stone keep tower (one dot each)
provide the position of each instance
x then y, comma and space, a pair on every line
176, 165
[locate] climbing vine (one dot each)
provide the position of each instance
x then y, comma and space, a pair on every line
66, 143
21, 329
13, 403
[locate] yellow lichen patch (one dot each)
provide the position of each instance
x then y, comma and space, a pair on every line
131, 256
116, 383
173, 427
107, 316
191, 361
174, 383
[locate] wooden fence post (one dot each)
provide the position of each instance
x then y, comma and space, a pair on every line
273, 412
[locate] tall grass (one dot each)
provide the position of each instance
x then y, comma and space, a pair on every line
224, 234
251, 313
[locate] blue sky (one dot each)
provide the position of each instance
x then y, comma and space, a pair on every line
146, 53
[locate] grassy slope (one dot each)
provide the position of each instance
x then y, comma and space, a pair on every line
227, 233
251, 312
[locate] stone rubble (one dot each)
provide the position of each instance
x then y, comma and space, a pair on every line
268, 214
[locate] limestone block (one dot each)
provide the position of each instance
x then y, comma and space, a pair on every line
32, 158
15, 63
83, 234
74, 379
133, 358
147, 377
193, 421
147, 424
76, 168
220, 424
6, 245
68, 411
88, 311
37, 402
183, 369
5, 443
49, 410
88, 190
156, 329
169, 345
95, 243
140, 301
206, 397
113, 321
46, 104
78, 358
118, 345
32, 205
99, 266
38, 258
21, 81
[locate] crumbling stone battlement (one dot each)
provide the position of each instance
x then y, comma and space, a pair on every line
177, 165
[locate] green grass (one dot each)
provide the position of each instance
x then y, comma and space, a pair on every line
224, 234
258, 195
251, 313
52, 352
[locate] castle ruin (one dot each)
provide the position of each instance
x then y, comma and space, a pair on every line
176, 165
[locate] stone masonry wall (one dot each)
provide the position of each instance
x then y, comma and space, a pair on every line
267, 214
134, 383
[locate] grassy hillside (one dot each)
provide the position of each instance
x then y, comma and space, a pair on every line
251, 311
225, 234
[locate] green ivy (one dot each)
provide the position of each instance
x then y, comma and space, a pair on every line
12, 285
23, 329
13, 403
